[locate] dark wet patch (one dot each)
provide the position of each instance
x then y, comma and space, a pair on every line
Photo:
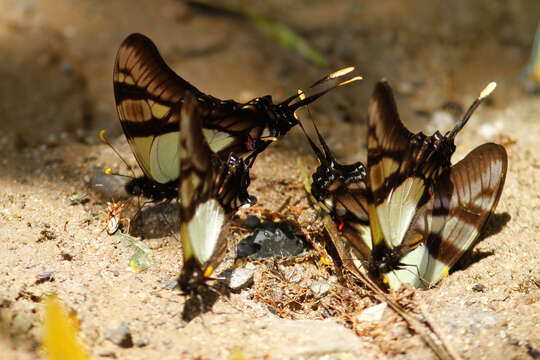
271, 240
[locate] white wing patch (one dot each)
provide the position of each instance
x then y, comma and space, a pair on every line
396, 212
416, 262
164, 158
364, 232
204, 229
435, 271
217, 140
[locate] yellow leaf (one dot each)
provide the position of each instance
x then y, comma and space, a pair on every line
60, 334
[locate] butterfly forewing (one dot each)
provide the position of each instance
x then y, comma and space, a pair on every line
196, 187
388, 140
148, 97
396, 188
401, 167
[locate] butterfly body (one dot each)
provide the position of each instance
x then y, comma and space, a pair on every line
410, 215
149, 100
210, 191
143, 186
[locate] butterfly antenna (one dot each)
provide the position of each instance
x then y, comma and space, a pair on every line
326, 158
483, 95
315, 148
312, 98
332, 76
327, 153
335, 76
108, 171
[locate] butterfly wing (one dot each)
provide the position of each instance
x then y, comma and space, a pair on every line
464, 200
394, 194
341, 191
210, 190
401, 166
148, 98
448, 225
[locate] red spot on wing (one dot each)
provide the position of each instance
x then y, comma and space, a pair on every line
249, 143
341, 224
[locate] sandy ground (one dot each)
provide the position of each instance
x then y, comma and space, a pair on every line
56, 94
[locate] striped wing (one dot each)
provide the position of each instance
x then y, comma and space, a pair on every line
148, 98
463, 199
348, 225
210, 190
401, 166
394, 193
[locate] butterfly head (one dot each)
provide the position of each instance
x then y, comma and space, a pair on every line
330, 174
143, 186
191, 277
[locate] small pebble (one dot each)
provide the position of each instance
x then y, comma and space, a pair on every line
169, 284
120, 336
479, 288
47, 275
320, 287
241, 278
513, 341
272, 310
143, 342
252, 221
373, 313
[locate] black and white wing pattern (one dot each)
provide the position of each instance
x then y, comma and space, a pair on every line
411, 215
464, 197
149, 98
210, 191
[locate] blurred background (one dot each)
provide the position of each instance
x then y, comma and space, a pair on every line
57, 56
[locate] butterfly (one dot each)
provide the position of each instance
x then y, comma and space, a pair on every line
149, 98
410, 215
210, 190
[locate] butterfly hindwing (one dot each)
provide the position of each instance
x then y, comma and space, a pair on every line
449, 224
464, 198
